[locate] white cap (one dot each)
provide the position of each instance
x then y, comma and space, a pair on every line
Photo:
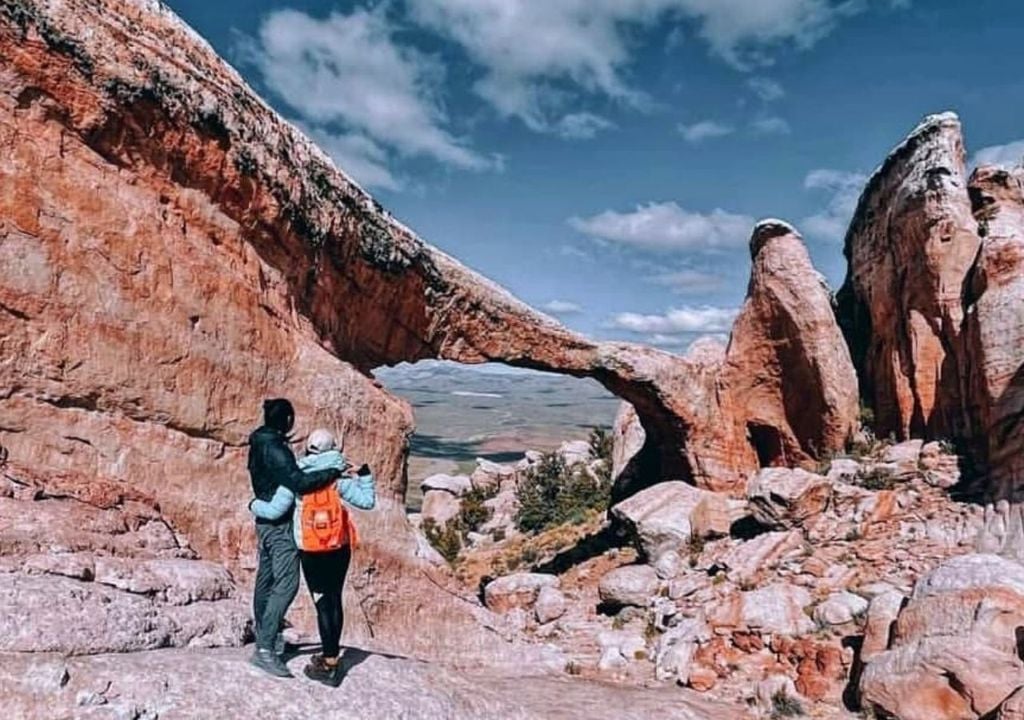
321, 440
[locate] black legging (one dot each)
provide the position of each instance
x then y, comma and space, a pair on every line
325, 576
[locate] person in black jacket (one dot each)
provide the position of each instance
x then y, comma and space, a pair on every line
272, 463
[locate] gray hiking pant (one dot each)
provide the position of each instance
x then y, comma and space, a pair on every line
277, 580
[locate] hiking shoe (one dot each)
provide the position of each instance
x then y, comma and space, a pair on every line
279, 644
320, 671
270, 663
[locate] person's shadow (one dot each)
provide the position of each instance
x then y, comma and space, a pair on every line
350, 656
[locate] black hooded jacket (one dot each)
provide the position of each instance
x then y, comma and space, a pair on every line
272, 463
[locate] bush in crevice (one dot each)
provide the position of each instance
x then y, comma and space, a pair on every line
446, 538
449, 538
553, 493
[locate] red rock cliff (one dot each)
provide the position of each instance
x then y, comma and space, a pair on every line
174, 252
909, 246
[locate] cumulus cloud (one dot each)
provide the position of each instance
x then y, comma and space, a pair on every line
582, 126
703, 130
536, 55
562, 307
770, 126
1008, 155
666, 226
349, 71
705, 319
843, 189
767, 89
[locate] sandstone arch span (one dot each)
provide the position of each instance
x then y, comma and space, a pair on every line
180, 252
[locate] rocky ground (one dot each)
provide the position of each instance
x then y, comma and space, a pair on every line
781, 601
176, 684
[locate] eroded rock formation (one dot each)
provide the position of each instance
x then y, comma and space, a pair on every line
181, 252
992, 358
788, 376
909, 247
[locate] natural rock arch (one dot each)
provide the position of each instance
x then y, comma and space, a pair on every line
183, 252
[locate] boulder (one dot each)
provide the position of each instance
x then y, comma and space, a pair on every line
440, 506
660, 518
668, 565
574, 452
842, 470
519, 590
904, 458
619, 648
956, 643
840, 608
457, 485
911, 243
941, 468
781, 498
635, 585
490, 476
550, 604
776, 609
675, 649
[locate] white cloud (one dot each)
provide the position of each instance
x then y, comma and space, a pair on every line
348, 71
582, 126
1009, 155
742, 32
705, 319
666, 226
562, 307
688, 281
767, 89
843, 189
770, 126
537, 56
703, 130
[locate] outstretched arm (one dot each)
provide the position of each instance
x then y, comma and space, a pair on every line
274, 508
282, 465
359, 491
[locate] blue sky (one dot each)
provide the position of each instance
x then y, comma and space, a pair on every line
605, 159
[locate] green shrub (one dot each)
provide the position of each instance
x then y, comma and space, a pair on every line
784, 706
449, 538
473, 513
875, 479
446, 539
553, 494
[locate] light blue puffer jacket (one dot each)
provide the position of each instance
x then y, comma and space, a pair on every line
359, 491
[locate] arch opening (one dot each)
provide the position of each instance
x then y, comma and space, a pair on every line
490, 411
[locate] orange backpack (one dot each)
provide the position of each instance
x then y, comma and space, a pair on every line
324, 523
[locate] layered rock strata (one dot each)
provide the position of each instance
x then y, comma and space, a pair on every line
910, 245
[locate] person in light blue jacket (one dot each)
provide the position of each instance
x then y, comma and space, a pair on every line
324, 571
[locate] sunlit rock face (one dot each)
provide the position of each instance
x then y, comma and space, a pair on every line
910, 245
175, 252
993, 338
